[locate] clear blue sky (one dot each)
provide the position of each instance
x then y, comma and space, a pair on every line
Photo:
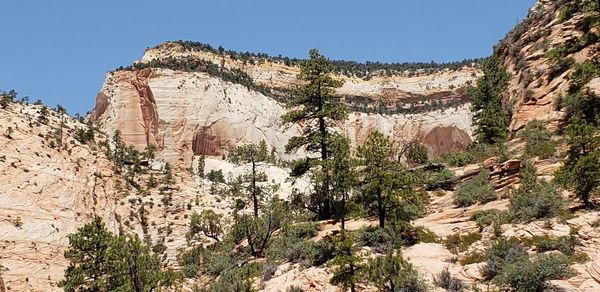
58, 51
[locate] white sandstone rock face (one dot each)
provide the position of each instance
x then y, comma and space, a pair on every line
192, 113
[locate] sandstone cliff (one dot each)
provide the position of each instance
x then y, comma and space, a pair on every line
538, 81
194, 113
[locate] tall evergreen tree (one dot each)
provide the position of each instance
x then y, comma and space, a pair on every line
315, 106
387, 188
252, 154
491, 118
343, 176
581, 169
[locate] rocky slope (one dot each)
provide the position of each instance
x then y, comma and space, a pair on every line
195, 113
538, 81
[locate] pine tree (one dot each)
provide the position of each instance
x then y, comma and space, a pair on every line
393, 273
6, 98
315, 106
387, 188
346, 264
252, 154
43, 115
491, 119
201, 165
581, 169
89, 256
100, 261
343, 177
139, 269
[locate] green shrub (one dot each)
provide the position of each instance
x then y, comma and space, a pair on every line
472, 258
489, 217
393, 273
238, 278
216, 176
532, 276
303, 230
540, 200
544, 243
380, 239
216, 262
298, 250
446, 281
459, 243
438, 179
482, 151
458, 159
476, 189
416, 153
538, 140
500, 253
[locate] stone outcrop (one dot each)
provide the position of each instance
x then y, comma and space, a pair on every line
534, 89
193, 113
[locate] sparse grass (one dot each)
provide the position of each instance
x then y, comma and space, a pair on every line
17, 222
472, 258
459, 243
489, 217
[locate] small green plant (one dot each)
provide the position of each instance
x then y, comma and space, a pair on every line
472, 258
446, 281
538, 140
476, 189
535, 201
489, 217
459, 243
216, 176
17, 222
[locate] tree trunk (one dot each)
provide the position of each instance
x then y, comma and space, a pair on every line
380, 209
352, 284
344, 212
254, 192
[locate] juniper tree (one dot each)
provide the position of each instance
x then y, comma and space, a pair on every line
258, 231
315, 106
208, 222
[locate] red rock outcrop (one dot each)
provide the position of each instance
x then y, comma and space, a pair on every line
444, 139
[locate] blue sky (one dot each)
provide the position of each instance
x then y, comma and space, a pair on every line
58, 51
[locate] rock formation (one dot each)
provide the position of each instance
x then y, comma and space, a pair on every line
193, 113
